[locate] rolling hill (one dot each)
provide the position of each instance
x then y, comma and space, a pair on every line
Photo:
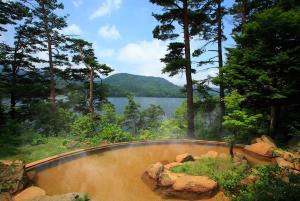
122, 84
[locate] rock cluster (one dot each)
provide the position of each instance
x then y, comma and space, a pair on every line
266, 146
179, 185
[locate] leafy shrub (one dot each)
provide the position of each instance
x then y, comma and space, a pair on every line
83, 127
111, 133
147, 135
271, 187
170, 129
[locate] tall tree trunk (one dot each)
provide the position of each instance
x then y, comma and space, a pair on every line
220, 56
91, 98
51, 67
244, 10
13, 93
188, 72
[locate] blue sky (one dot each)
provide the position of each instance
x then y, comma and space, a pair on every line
121, 31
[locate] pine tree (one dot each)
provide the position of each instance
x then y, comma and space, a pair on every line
84, 53
191, 16
10, 12
48, 24
264, 67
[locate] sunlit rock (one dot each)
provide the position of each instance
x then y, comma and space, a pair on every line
155, 170
199, 184
29, 193
261, 148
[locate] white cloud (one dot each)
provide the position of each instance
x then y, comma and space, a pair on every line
105, 53
144, 56
72, 29
77, 3
109, 32
106, 8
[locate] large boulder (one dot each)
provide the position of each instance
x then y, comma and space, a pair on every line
12, 176
184, 158
29, 193
155, 170
261, 148
196, 184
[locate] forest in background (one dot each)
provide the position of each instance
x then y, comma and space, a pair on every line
258, 81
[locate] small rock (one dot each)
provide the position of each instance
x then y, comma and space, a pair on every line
170, 165
29, 193
184, 158
155, 170
283, 163
197, 184
251, 179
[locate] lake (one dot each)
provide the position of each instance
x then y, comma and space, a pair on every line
169, 105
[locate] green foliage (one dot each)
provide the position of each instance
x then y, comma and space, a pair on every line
111, 133
83, 127
271, 187
237, 120
52, 123
264, 65
108, 114
132, 115
84, 198
180, 115
152, 117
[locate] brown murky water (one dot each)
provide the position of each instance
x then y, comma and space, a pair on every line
116, 175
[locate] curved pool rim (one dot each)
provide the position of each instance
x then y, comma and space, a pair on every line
72, 155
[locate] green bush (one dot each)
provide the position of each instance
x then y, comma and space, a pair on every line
83, 127
271, 187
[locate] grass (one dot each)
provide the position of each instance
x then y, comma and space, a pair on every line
29, 153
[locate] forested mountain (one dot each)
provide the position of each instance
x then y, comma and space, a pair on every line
122, 84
